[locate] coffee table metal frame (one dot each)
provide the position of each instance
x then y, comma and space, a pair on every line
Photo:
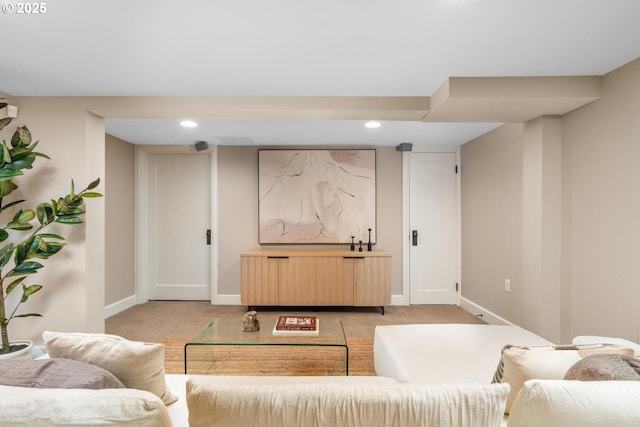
226, 331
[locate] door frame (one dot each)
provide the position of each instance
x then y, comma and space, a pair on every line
142, 153
405, 298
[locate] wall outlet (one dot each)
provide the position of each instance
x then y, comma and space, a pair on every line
507, 285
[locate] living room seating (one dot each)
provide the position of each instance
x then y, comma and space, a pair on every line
454, 388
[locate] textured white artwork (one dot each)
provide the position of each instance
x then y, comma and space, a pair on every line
317, 196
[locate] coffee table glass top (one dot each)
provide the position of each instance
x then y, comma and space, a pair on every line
228, 331
215, 348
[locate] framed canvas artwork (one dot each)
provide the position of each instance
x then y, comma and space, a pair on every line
316, 196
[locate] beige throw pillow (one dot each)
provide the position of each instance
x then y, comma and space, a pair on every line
519, 364
138, 365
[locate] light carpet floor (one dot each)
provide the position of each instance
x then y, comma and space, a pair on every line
173, 322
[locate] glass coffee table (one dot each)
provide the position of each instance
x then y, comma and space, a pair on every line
222, 348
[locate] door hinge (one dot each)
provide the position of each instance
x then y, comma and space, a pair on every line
457, 287
456, 168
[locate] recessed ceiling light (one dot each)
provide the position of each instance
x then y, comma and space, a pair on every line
188, 124
372, 125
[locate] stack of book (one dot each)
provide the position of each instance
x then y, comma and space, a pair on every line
297, 325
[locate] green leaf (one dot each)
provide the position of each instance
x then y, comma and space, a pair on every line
25, 163
51, 236
45, 213
30, 290
41, 155
52, 249
5, 254
21, 137
28, 315
4, 122
6, 155
14, 284
73, 188
6, 174
6, 188
26, 216
8, 205
20, 254
29, 267
90, 194
3, 235
71, 219
27, 291
19, 226
94, 184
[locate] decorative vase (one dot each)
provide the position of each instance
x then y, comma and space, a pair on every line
23, 353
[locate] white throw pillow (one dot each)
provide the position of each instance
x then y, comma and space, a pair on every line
35, 407
558, 403
138, 365
519, 364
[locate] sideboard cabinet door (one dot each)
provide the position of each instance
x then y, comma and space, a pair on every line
259, 280
334, 281
298, 280
371, 281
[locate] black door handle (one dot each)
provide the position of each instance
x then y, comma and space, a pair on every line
414, 237
208, 237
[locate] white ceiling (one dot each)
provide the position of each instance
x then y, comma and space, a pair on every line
304, 48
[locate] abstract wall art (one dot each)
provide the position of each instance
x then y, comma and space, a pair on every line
316, 196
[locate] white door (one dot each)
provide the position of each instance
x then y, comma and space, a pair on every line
433, 226
178, 220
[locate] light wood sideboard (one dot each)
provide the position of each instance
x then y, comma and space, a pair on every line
315, 278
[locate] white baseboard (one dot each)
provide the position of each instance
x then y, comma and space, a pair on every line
399, 300
482, 313
217, 300
226, 300
119, 306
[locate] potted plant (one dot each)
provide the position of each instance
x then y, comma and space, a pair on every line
23, 240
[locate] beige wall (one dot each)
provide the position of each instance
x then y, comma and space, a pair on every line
491, 182
119, 190
238, 211
554, 204
601, 195
73, 293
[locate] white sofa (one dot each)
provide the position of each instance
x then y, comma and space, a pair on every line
463, 353
433, 375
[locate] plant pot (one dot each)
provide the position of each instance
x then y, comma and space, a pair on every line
23, 353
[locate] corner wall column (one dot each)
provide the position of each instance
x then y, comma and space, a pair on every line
541, 226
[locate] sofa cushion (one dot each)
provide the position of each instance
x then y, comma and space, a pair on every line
605, 367
56, 373
325, 404
138, 365
519, 364
35, 407
559, 403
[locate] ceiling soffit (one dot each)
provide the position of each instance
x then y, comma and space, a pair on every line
510, 99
